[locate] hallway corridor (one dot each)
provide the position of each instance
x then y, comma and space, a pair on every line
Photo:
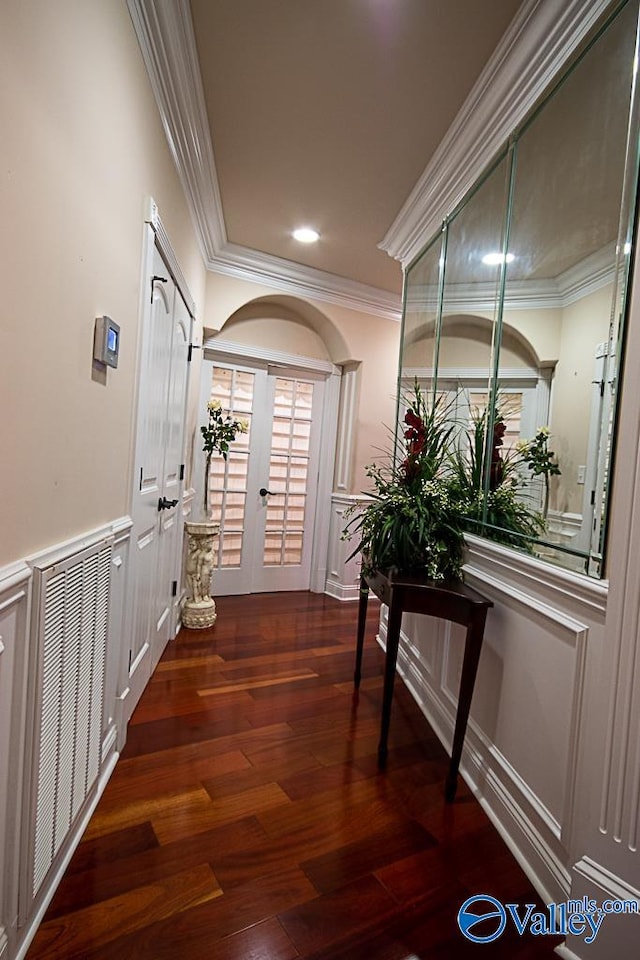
246, 819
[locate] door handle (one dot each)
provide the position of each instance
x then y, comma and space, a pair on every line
264, 492
164, 504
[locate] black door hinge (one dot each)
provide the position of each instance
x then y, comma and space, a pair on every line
174, 587
140, 487
190, 353
593, 498
181, 477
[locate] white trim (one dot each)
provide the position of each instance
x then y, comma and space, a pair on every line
538, 43
61, 551
152, 217
329, 429
167, 43
571, 589
521, 374
298, 280
614, 886
347, 422
14, 575
265, 355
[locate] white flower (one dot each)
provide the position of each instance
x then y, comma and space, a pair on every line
214, 405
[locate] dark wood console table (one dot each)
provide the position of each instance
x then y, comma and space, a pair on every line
448, 601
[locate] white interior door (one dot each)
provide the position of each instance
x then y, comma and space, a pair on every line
264, 496
157, 493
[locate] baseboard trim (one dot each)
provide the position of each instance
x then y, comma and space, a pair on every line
341, 591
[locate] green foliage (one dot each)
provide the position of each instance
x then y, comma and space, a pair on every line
220, 431
509, 519
412, 522
446, 484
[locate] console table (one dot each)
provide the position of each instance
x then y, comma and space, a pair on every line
449, 601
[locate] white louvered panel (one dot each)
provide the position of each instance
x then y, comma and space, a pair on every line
99, 664
53, 642
83, 697
74, 607
69, 681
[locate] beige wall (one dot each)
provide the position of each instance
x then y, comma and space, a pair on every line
344, 335
584, 325
82, 146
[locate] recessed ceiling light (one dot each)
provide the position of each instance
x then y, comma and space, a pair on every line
495, 259
306, 235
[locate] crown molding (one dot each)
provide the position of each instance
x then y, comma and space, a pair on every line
289, 277
165, 33
584, 278
539, 41
164, 30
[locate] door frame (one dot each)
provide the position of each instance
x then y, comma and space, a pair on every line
133, 677
228, 351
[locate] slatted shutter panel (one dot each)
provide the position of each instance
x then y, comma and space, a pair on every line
72, 599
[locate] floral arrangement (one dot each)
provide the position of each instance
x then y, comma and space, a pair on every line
504, 512
444, 483
219, 431
413, 522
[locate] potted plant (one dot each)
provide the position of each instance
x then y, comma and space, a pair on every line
498, 508
413, 522
199, 610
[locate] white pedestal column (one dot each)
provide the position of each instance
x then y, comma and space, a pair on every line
199, 610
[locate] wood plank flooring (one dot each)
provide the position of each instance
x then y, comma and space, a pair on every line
247, 820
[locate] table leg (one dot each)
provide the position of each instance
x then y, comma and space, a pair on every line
362, 621
393, 639
473, 646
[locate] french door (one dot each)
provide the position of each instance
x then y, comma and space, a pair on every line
264, 495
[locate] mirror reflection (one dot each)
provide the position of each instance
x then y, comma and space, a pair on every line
514, 314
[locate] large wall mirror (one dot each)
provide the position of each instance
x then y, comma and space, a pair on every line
514, 312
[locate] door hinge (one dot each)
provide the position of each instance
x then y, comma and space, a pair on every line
602, 388
181, 477
140, 487
156, 279
174, 587
190, 353
593, 498
130, 659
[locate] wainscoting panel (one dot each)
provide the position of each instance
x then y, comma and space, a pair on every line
343, 575
528, 725
63, 626
15, 585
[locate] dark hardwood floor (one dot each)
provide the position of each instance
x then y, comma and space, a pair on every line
246, 819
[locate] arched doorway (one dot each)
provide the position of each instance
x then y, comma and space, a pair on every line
271, 496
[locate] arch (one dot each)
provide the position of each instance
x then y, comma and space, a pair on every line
326, 342
475, 329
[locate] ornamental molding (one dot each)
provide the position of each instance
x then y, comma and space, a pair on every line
541, 38
164, 29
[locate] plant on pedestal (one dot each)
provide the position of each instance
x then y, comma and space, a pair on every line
199, 610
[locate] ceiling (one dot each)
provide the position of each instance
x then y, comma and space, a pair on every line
326, 113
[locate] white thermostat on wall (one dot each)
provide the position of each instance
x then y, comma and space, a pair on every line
106, 343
